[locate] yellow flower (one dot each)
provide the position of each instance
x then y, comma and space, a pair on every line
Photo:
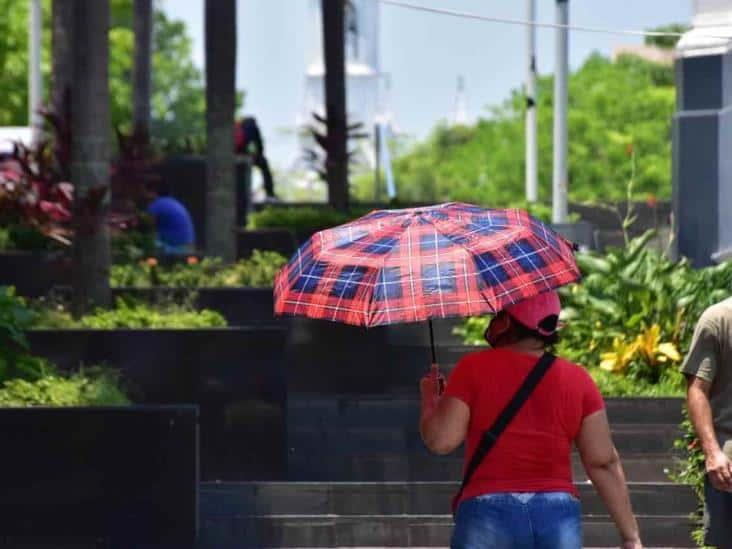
619, 358
669, 350
650, 346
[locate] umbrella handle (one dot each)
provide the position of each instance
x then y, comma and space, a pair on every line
435, 372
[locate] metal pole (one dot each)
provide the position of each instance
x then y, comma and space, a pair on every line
377, 167
532, 144
35, 83
559, 182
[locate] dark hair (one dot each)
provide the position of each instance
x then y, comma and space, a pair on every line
549, 324
518, 331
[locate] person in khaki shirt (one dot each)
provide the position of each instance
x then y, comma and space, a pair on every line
708, 369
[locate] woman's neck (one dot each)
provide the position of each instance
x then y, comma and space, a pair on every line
526, 346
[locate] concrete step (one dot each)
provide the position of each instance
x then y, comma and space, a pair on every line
400, 531
402, 498
425, 467
383, 409
336, 441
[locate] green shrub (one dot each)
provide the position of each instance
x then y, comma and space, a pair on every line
27, 380
631, 319
690, 470
302, 220
91, 387
257, 271
21, 237
129, 314
131, 246
15, 358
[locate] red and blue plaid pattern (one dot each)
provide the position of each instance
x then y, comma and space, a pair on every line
396, 266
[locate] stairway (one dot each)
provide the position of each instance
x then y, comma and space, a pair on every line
360, 476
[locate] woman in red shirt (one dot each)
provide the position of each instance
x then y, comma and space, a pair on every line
522, 494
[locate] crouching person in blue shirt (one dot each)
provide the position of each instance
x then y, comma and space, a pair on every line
175, 234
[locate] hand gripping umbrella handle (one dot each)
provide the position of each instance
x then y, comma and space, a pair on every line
435, 372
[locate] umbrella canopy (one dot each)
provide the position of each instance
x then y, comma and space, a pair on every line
411, 265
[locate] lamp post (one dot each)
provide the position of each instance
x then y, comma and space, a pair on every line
561, 99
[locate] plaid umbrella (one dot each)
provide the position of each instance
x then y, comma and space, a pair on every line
410, 265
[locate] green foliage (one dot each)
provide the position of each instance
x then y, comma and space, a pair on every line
258, 271
178, 102
88, 387
631, 319
24, 238
690, 470
14, 59
629, 292
128, 314
666, 42
613, 106
178, 99
131, 246
27, 380
15, 358
302, 220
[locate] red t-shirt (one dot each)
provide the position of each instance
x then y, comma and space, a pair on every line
534, 452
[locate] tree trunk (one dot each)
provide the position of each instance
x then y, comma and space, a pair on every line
141, 76
90, 154
335, 103
62, 77
63, 21
220, 106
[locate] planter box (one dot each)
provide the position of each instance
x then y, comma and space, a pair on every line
240, 306
276, 240
34, 273
235, 375
186, 178
125, 475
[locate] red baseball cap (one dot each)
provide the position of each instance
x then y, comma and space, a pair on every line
532, 312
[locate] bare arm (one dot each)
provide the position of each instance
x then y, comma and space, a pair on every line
444, 426
443, 421
718, 466
603, 467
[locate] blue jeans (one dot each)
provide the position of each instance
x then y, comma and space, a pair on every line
545, 520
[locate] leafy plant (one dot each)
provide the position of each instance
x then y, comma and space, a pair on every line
690, 470
257, 271
15, 358
302, 220
633, 315
88, 387
133, 245
131, 315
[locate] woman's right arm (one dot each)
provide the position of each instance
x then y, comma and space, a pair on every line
603, 467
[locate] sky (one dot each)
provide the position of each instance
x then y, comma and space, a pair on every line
424, 54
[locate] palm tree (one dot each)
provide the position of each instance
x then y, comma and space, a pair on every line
142, 25
335, 102
90, 128
220, 106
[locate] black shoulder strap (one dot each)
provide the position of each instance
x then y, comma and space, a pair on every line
505, 417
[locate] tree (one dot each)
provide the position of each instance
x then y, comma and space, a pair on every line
178, 102
612, 106
221, 102
141, 76
336, 166
62, 36
666, 42
89, 153
14, 59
